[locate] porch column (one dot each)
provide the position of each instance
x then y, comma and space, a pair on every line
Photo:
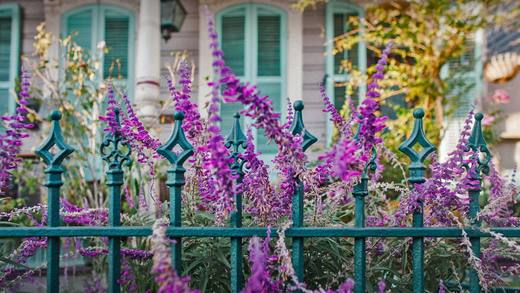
147, 87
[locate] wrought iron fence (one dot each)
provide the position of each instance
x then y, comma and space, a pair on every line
116, 152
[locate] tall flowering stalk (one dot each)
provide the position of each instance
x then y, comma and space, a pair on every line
192, 124
263, 202
164, 274
290, 159
11, 140
216, 161
350, 155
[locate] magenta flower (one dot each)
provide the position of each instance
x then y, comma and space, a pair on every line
500, 96
15, 131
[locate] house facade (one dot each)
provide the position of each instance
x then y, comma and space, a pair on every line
285, 52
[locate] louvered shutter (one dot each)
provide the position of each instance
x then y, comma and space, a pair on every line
233, 45
268, 76
341, 26
463, 69
5, 65
80, 24
116, 38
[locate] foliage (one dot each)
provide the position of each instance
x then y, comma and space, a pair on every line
432, 36
211, 183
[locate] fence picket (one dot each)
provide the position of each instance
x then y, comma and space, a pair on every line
115, 152
416, 171
53, 183
176, 181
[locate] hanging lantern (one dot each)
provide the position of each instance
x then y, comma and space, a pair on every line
173, 14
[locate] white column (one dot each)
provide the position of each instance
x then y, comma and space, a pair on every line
148, 68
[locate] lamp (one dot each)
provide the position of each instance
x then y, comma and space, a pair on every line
173, 14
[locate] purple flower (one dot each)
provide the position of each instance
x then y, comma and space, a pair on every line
164, 274
15, 131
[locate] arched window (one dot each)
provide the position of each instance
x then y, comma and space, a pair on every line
115, 26
9, 55
337, 24
253, 38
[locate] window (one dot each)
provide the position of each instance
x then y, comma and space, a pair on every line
9, 55
337, 18
253, 39
464, 76
96, 23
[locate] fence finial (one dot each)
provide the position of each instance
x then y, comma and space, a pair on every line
417, 137
477, 143
53, 161
119, 151
297, 126
177, 138
236, 139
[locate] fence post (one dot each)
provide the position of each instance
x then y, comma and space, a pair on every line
478, 165
298, 128
360, 192
116, 152
53, 183
235, 140
176, 181
416, 171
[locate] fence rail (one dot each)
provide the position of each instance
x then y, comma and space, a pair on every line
117, 153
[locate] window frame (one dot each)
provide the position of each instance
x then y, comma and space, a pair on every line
13, 10
251, 53
332, 7
98, 35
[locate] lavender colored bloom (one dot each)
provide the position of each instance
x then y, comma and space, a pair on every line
192, 124
290, 159
164, 273
15, 132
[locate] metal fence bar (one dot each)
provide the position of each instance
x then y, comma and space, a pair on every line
116, 152
477, 144
298, 128
235, 140
360, 192
53, 183
245, 232
416, 171
176, 181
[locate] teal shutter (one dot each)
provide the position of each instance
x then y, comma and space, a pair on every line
463, 77
9, 55
117, 27
5, 57
269, 45
253, 41
5, 47
233, 45
269, 79
80, 24
341, 26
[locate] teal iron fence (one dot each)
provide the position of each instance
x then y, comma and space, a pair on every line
115, 152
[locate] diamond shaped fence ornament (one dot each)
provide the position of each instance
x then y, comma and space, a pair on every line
297, 126
114, 150
235, 140
417, 158
478, 145
177, 138
55, 140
